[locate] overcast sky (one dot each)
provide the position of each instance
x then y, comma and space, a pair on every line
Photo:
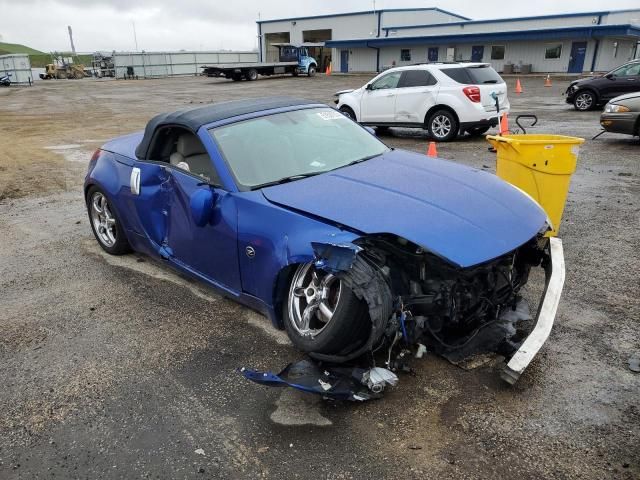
215, 24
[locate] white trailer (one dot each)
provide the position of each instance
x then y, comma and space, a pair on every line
18, 67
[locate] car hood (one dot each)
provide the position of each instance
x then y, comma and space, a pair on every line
464, 215
627, 96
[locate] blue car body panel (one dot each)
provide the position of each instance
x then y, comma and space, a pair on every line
463, 215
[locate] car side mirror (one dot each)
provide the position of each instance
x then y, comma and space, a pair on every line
202, 205
610, 76
369, 86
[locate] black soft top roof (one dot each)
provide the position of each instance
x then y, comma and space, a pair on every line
194, 118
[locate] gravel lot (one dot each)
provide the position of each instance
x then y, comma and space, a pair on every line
120, 368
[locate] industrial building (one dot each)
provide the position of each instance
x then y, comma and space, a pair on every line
375, 40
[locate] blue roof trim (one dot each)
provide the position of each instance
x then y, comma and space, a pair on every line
594, 31
366, 12
513, 19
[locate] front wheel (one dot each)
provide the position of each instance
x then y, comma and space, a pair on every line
347, 112
443, 126
323, 315
105, 223
311, 71
584, 101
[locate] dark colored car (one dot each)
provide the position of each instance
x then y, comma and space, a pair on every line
622, 115
587, 93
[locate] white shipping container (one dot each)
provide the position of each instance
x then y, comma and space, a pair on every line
159, 64
18, 67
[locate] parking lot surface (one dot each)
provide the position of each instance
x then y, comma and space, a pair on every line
117, 367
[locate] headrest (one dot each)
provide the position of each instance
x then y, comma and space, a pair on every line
189, 144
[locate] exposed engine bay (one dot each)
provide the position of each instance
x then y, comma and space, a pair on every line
419, 302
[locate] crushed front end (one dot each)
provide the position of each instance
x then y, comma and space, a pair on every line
455, 312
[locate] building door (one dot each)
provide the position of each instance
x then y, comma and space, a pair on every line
344, 61
477, 52
451, 54
432, 54
576, 61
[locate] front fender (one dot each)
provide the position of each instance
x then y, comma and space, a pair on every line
272, 239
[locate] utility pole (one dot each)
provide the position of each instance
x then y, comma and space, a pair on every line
135, 37
73, 47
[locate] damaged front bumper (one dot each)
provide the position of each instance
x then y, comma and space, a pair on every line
555, 273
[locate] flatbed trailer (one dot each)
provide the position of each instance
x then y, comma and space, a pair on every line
250, 71
294, 59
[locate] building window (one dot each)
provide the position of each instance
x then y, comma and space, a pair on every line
405, 55
553, 51
497, 52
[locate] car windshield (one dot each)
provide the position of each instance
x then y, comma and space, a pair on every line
292, 145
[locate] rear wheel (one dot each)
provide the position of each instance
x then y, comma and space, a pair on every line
105, 223
347, 112
323, 315
252, 75
236, 77
311, 71
382, 130
443, 126
584, 100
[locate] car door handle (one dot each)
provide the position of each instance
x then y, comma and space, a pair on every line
134, 181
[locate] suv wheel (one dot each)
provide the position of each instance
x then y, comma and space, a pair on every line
347, 112
584, 100
442, 126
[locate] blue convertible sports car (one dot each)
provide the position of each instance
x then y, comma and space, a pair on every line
300, 213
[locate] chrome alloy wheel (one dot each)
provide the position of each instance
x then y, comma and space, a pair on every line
441, 126
103, 220
584, 101
313, 298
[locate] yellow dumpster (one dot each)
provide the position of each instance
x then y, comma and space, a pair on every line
541, 165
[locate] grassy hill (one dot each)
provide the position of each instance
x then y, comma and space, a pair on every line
37, 58
17, 48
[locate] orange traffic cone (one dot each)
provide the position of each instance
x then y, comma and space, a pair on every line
518, 86
504, 124
547, 81
432, 151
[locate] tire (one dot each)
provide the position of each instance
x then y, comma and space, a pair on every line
382, 130
347, 112
477, 131
110, 236
584, 100
295, 73
347, 328
311, 71
252, 75
443, 126
236, 77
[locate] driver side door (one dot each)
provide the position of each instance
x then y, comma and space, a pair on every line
207, 249
378, 102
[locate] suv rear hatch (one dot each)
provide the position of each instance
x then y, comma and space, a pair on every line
483, 76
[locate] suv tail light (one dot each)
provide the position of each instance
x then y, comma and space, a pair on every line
95, 155
472, 93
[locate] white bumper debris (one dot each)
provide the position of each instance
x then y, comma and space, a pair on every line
554, 271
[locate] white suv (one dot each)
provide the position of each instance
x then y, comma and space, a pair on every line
444, 98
